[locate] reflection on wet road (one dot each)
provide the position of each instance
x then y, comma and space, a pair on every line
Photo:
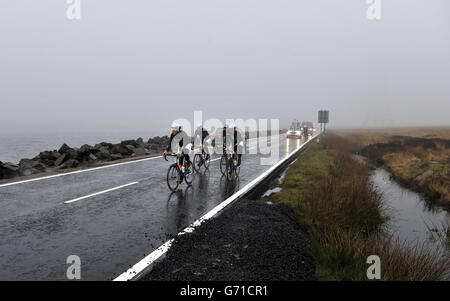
121, 214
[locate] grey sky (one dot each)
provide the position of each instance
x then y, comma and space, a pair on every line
129, 65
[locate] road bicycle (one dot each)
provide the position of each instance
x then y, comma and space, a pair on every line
200, 160
229, 165
178, 172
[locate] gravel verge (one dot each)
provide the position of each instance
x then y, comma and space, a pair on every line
250, 241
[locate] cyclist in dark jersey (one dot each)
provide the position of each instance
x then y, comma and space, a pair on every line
200, 135
235, 141
182, 151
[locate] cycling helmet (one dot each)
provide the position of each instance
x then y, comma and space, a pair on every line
175, 127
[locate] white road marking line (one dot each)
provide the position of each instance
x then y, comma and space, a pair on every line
140, 267
101, 192
77, 172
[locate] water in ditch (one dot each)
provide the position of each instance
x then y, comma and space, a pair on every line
411, 217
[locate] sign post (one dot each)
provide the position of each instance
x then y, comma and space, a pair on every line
324, 117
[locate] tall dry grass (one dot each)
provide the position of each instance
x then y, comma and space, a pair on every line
418, 158
344, 254
346, 217
345, 199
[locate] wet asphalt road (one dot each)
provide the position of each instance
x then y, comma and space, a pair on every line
109, 231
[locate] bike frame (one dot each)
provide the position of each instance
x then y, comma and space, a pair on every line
230, 158
177, 161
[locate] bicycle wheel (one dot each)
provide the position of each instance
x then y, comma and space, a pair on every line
197, 162
207, 161
223, 163
189, 174
229, 169
173, 177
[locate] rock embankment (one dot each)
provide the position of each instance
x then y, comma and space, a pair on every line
87, 155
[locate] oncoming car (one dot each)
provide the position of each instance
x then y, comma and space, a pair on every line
294, 131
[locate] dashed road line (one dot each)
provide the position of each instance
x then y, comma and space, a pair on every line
101, 192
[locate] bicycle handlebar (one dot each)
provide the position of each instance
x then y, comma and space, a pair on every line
170, 155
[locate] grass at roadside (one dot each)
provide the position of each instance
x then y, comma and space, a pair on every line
304, 175
332, 195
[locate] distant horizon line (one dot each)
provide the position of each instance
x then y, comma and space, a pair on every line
167, 128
